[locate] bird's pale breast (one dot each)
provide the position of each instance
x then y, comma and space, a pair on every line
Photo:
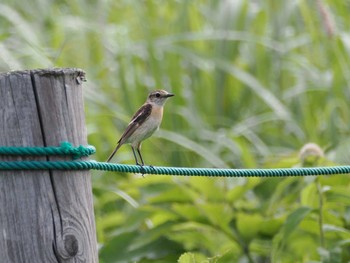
148, 127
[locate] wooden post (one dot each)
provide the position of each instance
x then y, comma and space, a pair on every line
45, 216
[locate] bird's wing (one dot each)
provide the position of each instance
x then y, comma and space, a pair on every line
139, 117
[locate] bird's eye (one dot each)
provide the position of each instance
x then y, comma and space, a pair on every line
157, 94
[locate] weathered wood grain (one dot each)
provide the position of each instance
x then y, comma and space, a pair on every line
45, 216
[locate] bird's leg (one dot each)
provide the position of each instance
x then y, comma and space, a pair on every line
137, 163
133, 151
139, 152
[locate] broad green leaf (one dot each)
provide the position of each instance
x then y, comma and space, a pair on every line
188, 211
248, 225
240, 190
236, 193
310, 196
270, 226
293, 220
343, 232
211, 188
111, 220
121, 249
290, 225
152, 235
338, 194
135, 219
283, 192
218, 214
191, 258
226, 257
175, 194
192, 235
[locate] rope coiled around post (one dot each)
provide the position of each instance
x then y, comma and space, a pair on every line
81, 151
65, 149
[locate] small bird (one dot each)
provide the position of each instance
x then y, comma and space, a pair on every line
144, 123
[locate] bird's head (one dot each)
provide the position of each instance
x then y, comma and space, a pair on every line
159, 97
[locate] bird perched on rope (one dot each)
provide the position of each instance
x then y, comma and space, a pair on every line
144, 123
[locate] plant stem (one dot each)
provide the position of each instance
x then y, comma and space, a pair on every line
320, 212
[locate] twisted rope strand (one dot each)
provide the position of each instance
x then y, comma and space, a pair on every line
183, 171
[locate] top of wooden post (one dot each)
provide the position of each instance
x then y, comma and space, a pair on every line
45, 71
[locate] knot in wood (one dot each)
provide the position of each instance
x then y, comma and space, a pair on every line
71, 245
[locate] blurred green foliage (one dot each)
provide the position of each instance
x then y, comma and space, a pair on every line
254, 82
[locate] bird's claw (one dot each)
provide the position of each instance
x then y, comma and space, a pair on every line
142, 170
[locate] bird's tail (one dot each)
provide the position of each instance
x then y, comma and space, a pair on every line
113, 153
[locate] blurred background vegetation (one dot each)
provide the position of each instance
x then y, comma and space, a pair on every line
254, 82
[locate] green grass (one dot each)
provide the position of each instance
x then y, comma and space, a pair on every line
254, 82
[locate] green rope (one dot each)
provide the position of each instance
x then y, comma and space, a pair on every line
67, 149
124, 168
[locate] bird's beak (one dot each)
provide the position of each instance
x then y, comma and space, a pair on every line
169, 95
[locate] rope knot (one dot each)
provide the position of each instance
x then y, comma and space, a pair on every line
77, 152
